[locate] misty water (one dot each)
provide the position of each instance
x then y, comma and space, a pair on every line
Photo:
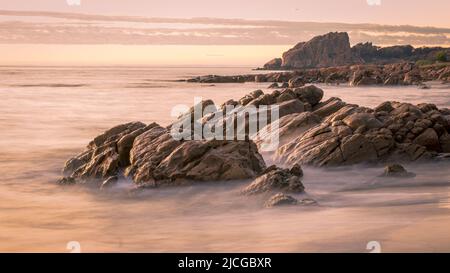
48, 114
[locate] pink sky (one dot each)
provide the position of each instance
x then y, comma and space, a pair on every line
412, 12
147, 32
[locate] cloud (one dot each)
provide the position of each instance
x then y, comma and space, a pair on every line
28, 27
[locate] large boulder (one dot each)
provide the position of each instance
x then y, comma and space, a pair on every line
105, 154
157, 158
429, 138
309, 94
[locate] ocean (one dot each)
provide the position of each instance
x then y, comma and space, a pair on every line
48, 114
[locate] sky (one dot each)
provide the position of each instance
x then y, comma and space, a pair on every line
201, 32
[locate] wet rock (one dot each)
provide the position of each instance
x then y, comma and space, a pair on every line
396, 170
109, 182
308, 202
149, 154
102, 157
310, 94
429, 138
201, 160
290, 107
328, 107
357, 120
384, 107
67, 181
276, 179
289, 127
444, 141
286, 95
296, 82
280, 199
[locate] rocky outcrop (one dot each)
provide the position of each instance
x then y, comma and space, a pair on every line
394, 54
332, 49
349, 134
159, 159
356, 75
149, 155
308, 130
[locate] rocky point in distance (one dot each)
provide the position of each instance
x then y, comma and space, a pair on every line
330, 59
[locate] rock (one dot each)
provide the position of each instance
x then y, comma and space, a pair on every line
250, 97
67, 181
289, 127
332, 49
328, 107
396, 170
273, 64
384, 107
429, 139
273, 85
296, 82
276, 179
310, 94
348, 134
200, 160
296, 170
444, 141
280, 199
284, 85
109, 182
102, 158
308, 202
290, 107
155, 157
367, 120
260, 78
286, 95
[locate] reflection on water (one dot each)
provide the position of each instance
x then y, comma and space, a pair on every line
48, 114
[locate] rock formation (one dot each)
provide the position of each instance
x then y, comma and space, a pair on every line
310, 131
333, 49
150, 155
356, 75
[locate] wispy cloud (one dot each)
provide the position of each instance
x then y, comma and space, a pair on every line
41, 27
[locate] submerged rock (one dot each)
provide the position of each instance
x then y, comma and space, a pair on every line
277, 179
396, 170
280, 199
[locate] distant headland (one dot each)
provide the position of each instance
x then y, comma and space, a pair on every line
334, 49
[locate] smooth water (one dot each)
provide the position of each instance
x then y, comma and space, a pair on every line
48, 114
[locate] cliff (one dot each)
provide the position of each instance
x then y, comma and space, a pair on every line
333, 49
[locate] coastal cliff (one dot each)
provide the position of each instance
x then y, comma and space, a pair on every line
334, 49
